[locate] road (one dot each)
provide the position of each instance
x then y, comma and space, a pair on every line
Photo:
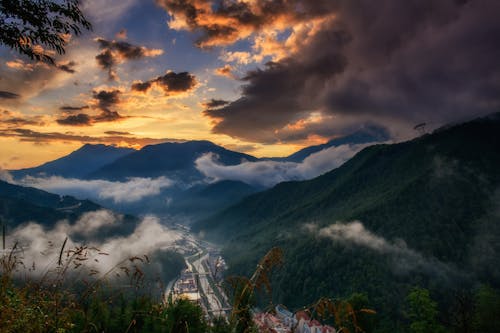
215, 305
216, 301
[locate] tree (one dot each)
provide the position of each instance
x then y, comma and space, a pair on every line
487, 312
422, 312
220, 325
461, 311
40, 28
184, 317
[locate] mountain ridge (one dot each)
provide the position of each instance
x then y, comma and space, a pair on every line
78, 163
428, 204
157, 160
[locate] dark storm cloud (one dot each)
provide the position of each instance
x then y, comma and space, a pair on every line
176, 82
28, 135
141, 86
171, 83
18, 121
106, 98
107, 116
9, 119
214, 103
116, 52
68, 67
124, 49
274, 97
69, 108
8, 95
117, 133
386, 61
106, 61
80, 119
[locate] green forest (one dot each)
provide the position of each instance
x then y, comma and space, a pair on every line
430, 205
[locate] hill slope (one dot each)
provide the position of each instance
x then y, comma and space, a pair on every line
429, 216
207, 199
19, 204
79, 163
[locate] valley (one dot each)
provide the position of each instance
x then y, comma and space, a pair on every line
249, 166
201, 280
391, 217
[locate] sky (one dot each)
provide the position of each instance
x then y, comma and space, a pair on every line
264, 77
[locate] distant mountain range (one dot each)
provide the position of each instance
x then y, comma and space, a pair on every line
175, 161
78, 164
423, 212
169, 159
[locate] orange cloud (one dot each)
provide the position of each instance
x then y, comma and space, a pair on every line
27, 135
226, 71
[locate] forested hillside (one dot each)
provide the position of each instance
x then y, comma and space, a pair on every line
423, 212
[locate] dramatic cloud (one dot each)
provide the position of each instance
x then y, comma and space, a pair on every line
19, 64
270, 173
225, 22
41, 247
91, 222
68, 108
133, 190
9, 119
171, 83
117, 52
80, 119
405, 259
68, 67
354, 232
214, 103
104, 100
226, 70
239, 57
8, 95
36, 137
117, 133
347, 59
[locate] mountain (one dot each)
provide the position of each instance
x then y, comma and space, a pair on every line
19, 204
78, 164
210, 198
174, 160
368, 134
423, 212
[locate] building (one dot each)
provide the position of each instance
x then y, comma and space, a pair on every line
285, 321
306, 325
267, 322
286, 316
216, 264
187, 287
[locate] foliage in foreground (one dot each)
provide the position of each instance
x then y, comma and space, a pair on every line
50, 304
38, 29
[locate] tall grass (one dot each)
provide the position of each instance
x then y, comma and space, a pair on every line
73, 297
